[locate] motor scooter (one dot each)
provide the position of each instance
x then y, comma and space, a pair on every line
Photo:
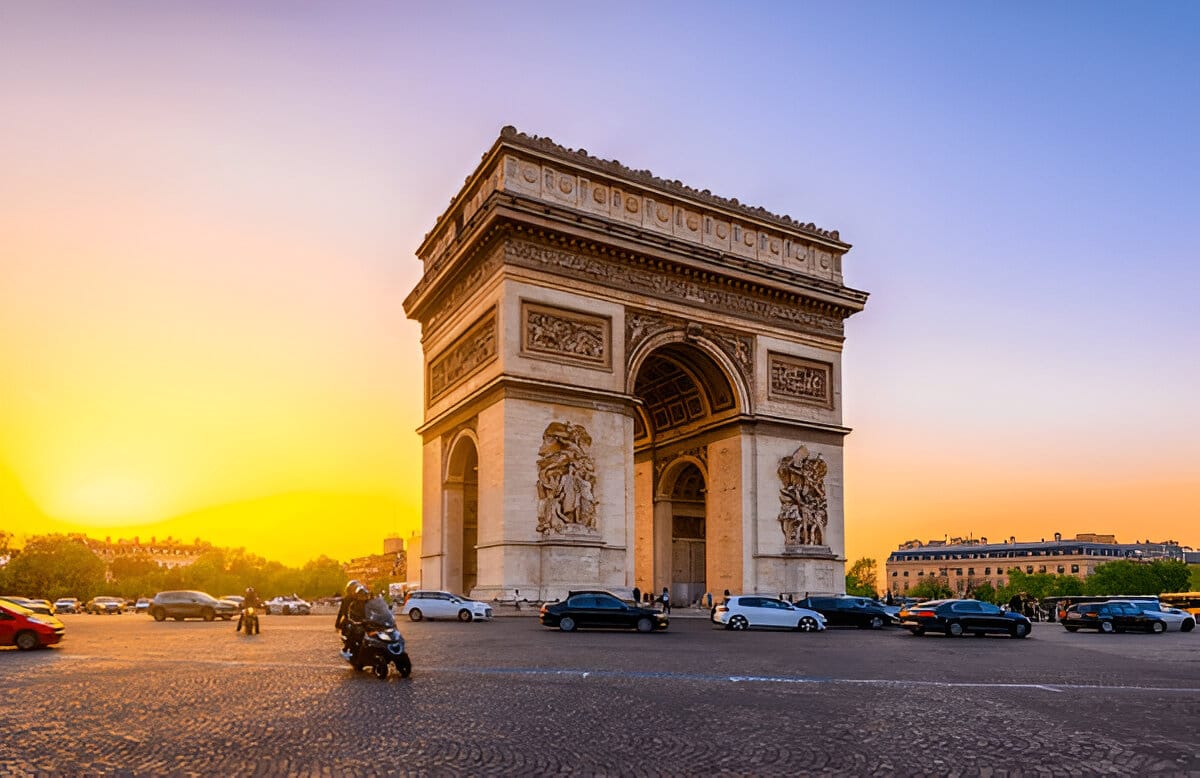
375, 642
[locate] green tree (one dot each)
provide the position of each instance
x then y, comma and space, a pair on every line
984, 591
931, 588
54, 566
1126, 576
1173, 575
862, 578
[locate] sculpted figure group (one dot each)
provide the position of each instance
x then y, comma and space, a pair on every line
566, 479
803, 511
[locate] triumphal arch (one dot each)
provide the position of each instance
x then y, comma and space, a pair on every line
628, 382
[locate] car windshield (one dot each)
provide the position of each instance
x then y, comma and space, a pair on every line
377, 612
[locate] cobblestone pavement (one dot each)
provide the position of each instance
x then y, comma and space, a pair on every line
126, 695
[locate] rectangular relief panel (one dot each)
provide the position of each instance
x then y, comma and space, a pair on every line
561, 335
800, 380
468, 353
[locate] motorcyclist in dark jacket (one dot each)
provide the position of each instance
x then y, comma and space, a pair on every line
352, 614
249, 600
344, 605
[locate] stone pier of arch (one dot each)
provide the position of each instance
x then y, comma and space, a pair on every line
628, 383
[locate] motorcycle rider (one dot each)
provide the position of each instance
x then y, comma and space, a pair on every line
351, 615
249, 600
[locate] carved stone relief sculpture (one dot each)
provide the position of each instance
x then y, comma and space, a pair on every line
468, 353
803, 507
566, 484
802, 380
561, 335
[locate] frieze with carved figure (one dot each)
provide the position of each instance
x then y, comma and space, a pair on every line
562, 335
805, 380
566, 483
803, 506
468, 353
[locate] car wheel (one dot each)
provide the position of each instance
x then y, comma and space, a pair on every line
1106, 627
1187, 626
918, 631
1157, 627
876, 622
807, 624
207, 614
566, 624
954, 629
27, 641
464, 615
159, 614
1019, 630
645, 625
415, 614
739, 623
1072, 629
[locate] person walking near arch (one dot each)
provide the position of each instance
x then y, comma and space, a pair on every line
666, 601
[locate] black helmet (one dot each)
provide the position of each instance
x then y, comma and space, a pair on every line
250, 590
361, 592
351, 586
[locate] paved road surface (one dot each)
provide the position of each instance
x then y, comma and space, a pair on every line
126, 695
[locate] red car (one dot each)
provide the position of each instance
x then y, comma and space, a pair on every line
25, 629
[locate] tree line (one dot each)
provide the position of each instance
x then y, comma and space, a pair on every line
1117, 577
54, 566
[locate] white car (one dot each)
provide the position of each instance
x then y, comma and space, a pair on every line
288, 605
746, 611
424, 604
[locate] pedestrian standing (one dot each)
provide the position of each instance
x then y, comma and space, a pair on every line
666, 600
637, 595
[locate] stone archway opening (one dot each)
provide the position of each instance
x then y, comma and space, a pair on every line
683, 396
461, 499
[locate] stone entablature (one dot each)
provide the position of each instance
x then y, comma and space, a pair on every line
613, 198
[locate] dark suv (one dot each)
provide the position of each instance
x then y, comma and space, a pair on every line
844, 611
183, 604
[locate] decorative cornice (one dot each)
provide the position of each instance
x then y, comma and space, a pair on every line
581, 157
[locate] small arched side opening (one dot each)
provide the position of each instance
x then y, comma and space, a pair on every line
461, 510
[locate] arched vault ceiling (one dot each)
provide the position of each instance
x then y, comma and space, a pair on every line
679, 386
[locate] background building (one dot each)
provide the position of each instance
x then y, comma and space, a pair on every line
963, 562
379, 570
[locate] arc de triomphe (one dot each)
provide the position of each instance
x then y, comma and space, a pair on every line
628, 382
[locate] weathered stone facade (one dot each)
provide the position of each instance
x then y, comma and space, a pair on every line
616, 368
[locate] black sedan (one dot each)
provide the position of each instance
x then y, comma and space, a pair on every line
1111, 617
845, 611
958, 617
600, 609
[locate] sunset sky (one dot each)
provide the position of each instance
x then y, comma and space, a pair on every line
209, 212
